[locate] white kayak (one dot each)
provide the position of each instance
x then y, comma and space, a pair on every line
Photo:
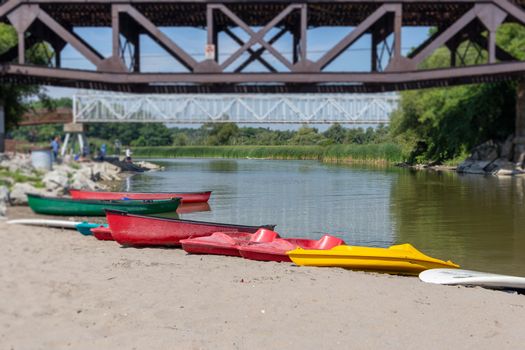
472, 278
46, 223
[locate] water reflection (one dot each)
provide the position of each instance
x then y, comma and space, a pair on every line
186, 208
477, 221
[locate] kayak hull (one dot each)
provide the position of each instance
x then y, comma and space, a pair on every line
218, 243
226, 243
102, 233
186, 197
78, 207
139, 230
399, 259
276, 249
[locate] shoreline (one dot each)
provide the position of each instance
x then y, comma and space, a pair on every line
72, 291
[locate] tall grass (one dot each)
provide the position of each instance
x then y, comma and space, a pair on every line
370, 153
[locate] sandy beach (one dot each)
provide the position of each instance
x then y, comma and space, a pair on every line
61, 290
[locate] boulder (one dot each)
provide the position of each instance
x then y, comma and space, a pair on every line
487, 151
19, 190
82, 181
106, 171
149, 166
473, 166
56, 180
506, 148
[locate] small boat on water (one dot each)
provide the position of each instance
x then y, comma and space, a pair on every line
186, 197
102, 233
226, 243
142, 230
275, 250
80, 207
398, 259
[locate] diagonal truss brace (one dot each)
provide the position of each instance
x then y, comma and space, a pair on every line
256, 37
156, 34
354, 35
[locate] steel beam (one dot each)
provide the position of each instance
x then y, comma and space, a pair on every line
458, 20
263, 82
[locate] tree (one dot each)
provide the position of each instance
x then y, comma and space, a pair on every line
307, 136
222, 133
441, 124
336, 133
14, 96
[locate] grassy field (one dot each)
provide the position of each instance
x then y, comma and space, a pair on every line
371, 153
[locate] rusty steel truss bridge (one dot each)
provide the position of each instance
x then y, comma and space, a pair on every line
263, 23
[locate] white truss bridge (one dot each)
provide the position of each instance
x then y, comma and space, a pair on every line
242, 108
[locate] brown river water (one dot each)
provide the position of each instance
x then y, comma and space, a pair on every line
475, 221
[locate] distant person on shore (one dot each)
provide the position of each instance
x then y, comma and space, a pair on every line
118, 145
103, 151
128, 155
55, 146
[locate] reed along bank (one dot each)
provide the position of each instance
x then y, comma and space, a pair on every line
385, 153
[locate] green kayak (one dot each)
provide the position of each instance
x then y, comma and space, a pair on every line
83, 207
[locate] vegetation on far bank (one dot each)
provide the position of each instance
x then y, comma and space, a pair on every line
369, 153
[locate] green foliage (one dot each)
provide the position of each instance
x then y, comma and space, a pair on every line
307, 136
135, 134
221, 134
443, 124
13, 96
440, 124
7, 178
37, 134
336, 134
372, 153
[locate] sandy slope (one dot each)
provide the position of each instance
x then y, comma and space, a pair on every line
60, 290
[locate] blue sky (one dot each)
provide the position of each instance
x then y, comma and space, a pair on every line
155, 59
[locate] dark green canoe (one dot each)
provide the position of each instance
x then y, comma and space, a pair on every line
83, 207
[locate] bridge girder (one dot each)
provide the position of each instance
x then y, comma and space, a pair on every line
52, 21
363, 109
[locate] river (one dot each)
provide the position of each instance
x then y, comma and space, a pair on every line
473, 220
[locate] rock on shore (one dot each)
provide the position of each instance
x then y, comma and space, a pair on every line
19, 177
492, 158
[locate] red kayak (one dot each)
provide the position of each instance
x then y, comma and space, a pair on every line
276, 249
226, 243
130, 229
187, 197
102, 233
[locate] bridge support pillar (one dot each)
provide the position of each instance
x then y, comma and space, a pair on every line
519, 134
73, 130
2, 128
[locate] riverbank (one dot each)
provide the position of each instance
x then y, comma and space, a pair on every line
359, 154
62, 290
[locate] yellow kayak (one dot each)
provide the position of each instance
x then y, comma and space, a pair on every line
397, 259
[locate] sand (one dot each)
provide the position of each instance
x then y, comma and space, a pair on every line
61, 290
